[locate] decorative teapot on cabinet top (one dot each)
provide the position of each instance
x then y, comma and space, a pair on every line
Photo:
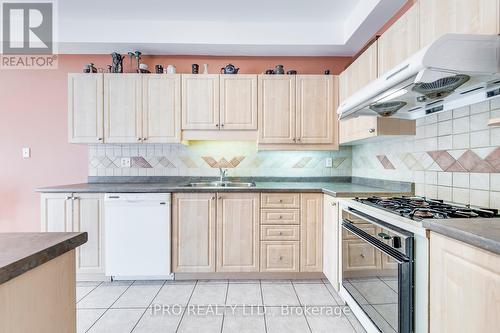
229, 69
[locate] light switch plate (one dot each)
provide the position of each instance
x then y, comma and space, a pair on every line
26, 152
328, 162
125, 162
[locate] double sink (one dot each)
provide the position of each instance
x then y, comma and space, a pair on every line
221, 184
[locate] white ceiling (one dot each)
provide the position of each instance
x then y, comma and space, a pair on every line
221, 27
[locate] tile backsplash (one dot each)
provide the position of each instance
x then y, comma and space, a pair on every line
202, 158
455, 156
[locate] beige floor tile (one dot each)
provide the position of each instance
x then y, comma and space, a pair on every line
244, 320
198, 321
102, 297
279, 294
209, 294
137, 296
329, 324
290, 321
244, 294
164, 322
174, 294
117, 321
314, 294
81, 292
86, 318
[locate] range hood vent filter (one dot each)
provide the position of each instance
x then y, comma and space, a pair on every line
387, 109
442, 87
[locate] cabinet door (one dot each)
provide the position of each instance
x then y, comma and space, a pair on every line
316, 121
361, 72
85, 108
56, 212
88, 216
193, 232
311, 232
200, 101
331, 225
161, 113
465, 284
238, 102
399, 42
238, 232
457, 16
276, 104
122, 108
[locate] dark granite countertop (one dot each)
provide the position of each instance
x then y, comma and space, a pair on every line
23, 251
482, 233
334, 187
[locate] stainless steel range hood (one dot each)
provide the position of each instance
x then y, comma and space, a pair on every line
453, 71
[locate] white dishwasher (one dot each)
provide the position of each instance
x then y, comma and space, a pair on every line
137, 235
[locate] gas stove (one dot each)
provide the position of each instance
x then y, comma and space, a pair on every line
419, 208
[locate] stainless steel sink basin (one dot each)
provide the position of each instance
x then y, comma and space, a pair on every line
221, 184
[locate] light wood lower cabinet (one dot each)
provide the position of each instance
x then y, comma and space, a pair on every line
311, 232
279, 256
238, 232
78, 212
465, 284
193, 232
331, 240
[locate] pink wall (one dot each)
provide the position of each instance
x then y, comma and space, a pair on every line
33, 114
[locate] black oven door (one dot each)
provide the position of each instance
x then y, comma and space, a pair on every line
377, 271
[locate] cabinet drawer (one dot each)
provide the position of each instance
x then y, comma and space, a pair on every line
279, 232
279, 256
359, 255
280, 200
279, 216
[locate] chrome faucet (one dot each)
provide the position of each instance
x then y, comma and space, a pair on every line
222, 175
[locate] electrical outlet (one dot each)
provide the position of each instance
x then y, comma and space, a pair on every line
328, 162
26, 152
125, 162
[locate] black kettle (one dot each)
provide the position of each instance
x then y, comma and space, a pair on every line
229, 69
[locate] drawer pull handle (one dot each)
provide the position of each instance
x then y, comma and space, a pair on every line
281, 258
281, 200
362, 255
281, 233
280, 217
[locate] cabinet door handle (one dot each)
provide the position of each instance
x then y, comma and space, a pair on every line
213, 198
139, 139
68, 198
298, 139
220, 198
334, 204
294, 139
216, 125
99, 139
371, 130
281, 200
221, 125
281, 258
281, 233
144, 139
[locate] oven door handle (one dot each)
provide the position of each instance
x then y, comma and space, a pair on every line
386, 249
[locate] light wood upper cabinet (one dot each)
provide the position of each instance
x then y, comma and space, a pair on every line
238, 102
457, 16
400, 41
85, 108
238, 232
276, 105
311, 232
88, 216
193, 232
358, 130
122, 108
315, 109
331, 242
200, 101
161, 117
361, 72
465, 284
